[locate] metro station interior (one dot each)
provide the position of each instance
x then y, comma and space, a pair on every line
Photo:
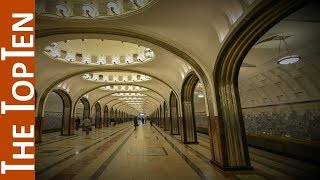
221, 89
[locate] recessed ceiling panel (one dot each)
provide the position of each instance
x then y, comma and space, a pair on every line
115, 77
99, 52
90, 10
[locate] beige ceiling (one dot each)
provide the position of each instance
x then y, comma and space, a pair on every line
100, 47
197, 29
272, 83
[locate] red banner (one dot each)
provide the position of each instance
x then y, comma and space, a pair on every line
17, 67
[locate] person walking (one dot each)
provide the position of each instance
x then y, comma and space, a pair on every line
77, 123
135, 123
112, 121
87, 124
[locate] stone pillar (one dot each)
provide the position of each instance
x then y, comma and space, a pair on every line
181, 129
99, 122
91, 123
38, 129
72, 126
210, 137
188, 124
161, 122
66, 122
174, 122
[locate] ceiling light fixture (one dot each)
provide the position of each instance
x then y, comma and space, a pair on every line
141, 57
200, 95
86, 59
148, 53
114, 77
62, 9
129, 59
54, 44
138, 3
89, 10
55, 53
123, 88
133, 56
101, 60
71, 56
289, 58
115, 60
129, 94
114, 7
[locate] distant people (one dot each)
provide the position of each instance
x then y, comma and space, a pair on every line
115, 121
87, 124
112, 120
151, 122
135, 123
77, 123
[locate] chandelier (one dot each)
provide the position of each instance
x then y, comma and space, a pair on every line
289, 58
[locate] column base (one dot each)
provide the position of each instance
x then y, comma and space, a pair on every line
191, 142
231, 168
174, 133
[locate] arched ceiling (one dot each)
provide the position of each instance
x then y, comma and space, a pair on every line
268, 82
50, 70
197, 29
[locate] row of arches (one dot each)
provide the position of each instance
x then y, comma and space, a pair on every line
228, 126
226, 129
58, 118
194, 115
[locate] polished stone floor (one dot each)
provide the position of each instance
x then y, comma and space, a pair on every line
121, 152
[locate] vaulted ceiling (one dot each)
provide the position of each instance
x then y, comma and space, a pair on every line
171, 29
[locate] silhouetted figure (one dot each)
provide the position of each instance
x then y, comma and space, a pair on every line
135, 123
87, 124
112, 120
77, 123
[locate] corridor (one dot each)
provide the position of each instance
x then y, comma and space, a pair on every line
148, 152
231, 87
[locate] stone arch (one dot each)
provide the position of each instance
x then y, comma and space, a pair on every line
128, 92
53, 113
189, 134
174, 119
229, 123
128, 33
67, 124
